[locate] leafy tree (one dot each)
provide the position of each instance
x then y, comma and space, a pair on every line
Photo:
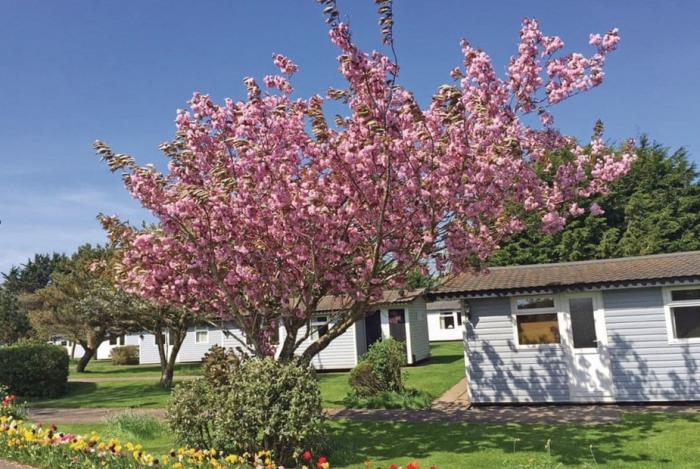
655, 208
81, 303
266, 207
27, 278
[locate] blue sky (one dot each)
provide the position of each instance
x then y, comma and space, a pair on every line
75, 71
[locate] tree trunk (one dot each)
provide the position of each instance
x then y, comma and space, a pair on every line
356, 312
82, 363
72, 351
93, 341
168, 366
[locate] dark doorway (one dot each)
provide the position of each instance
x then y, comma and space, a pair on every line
373, 328
397, 324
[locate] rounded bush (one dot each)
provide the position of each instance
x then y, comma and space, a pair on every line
363, 380
127, 355
34, 369
385, 360
263, 404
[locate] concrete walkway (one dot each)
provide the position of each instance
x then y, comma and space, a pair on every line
111, 379
13, 465
62, 416
522, 414
454, 398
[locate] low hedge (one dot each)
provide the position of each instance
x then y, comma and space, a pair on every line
34, 370
126, 355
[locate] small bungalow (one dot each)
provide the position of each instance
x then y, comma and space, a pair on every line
619, 330
104, 350
399, 314
445, 320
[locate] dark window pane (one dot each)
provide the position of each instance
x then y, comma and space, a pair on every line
583, 322
687, 321
535, 302
447, 321
538, 329
682, 295
397, 316
112, 340
459, 318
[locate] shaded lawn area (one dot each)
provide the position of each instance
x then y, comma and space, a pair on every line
642, 440
106, 369
442, 371
145, 393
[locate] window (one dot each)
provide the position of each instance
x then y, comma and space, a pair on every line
447, 321
535, 329
201, 335
171, 338
684, 312
116, 340
583, 322
535, 302
319, 327
459, 318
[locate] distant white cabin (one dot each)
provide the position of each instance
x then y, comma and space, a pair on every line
104, 350
399, 314
445, 321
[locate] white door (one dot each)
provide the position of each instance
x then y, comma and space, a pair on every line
590, 378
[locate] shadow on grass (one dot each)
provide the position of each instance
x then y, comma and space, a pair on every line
463, 443
111, 394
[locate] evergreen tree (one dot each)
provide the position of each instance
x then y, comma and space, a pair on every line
25, 279
653, 209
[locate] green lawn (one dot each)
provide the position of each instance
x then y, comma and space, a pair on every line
442, 371
105, 369
642, 440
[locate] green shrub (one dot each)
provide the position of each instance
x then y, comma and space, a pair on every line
385, 360
127, 355
190, 413
363, 381
265, 404
34, 370
130, 425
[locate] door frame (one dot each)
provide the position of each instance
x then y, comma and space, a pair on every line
601, 350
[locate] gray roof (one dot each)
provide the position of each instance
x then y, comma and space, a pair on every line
568, 275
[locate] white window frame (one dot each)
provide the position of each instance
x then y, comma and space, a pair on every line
515, 312
197, 330
446, 314
671, 320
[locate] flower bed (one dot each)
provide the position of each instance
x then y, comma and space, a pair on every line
9, 407
46, 447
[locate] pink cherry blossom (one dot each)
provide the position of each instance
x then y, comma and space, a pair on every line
266, 206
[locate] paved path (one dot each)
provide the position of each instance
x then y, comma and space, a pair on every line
12, 465
454, 398
62, 416
110, 379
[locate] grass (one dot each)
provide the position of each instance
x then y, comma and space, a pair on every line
147, 394
641, 440
442, 371
106, 369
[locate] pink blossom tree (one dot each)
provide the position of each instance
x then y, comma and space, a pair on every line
266, 207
